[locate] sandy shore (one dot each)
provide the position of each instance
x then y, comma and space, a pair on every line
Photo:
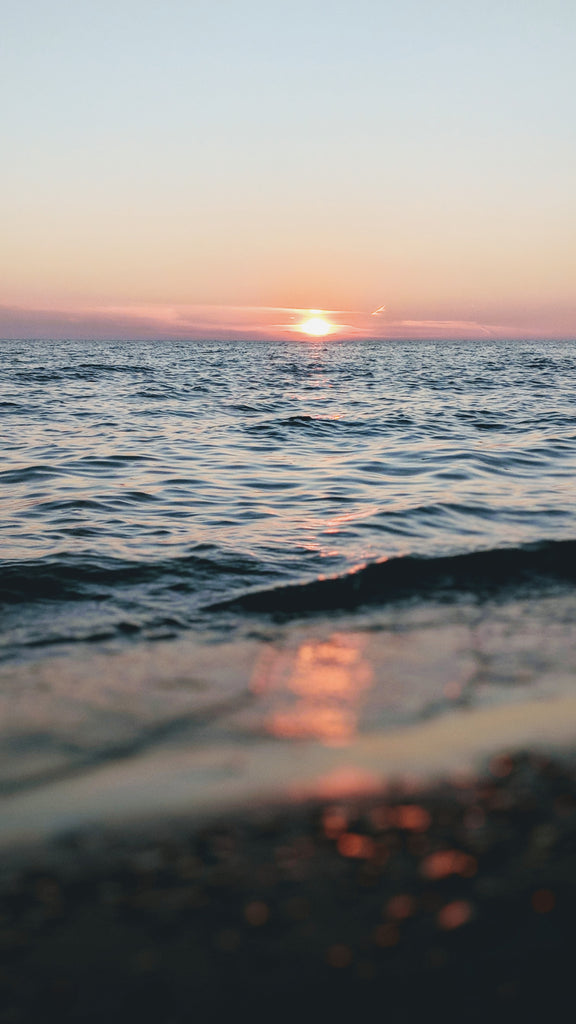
265, 863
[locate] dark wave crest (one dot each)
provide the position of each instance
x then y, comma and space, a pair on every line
412, 576
83, 578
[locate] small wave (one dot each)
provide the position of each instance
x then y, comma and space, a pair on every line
25, 474
70, 505
411, 575
78, 372
282, 427
81, 578
112, 367
107, 462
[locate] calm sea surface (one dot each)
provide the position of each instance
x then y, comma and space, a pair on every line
143, 482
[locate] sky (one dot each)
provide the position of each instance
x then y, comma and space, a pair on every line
220, 168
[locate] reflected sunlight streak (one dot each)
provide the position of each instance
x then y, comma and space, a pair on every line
319, 688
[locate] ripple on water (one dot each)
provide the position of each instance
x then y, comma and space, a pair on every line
290, 460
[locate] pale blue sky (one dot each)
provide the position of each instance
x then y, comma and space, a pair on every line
290, 153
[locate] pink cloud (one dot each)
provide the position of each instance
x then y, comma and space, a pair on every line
166, 322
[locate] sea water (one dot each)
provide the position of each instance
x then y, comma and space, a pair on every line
170, 510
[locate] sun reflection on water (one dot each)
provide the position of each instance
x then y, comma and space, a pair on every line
319, 687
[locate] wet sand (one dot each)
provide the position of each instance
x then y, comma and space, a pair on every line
420, 866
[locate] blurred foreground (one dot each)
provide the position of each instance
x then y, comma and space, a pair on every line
456, 902
314, 822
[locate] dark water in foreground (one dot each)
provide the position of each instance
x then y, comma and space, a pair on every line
143, 482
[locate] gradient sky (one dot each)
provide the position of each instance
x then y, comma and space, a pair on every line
218, 167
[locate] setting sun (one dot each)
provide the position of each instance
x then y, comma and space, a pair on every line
316, 326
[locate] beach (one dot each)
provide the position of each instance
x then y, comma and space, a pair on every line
270, 863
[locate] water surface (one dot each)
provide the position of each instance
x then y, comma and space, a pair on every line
144, 482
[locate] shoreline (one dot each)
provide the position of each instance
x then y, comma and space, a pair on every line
187, 728
250, 865
223, 777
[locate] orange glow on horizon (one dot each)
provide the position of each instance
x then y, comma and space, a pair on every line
161, 320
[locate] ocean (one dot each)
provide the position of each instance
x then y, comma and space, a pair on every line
187, 525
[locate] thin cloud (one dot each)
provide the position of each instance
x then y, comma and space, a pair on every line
452, 325
181, 322
146, 321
